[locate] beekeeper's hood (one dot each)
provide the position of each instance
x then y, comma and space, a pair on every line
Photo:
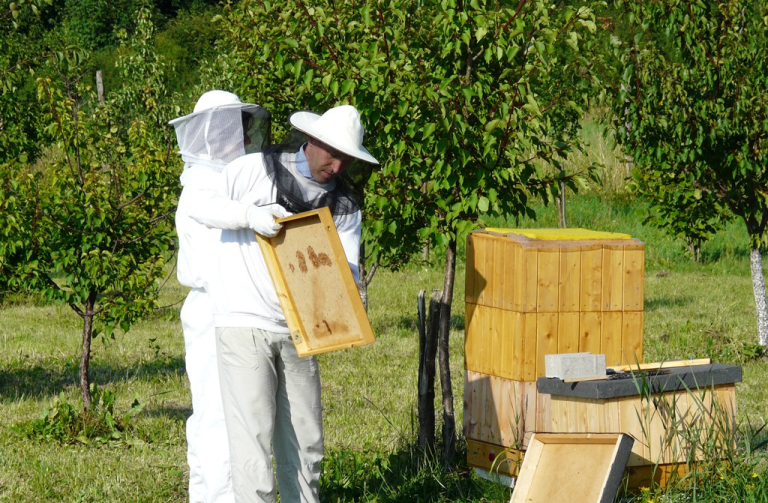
220, 129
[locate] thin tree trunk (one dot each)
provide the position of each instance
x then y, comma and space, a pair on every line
366, 276
85, 351
561, 208
758, 286
449, 420
100, 86
428, 328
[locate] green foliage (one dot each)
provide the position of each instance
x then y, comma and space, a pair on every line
692, 111
95, 23
462, 102
66, 423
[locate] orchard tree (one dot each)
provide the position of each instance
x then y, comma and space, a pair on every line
692, 110
93, 227
463, 103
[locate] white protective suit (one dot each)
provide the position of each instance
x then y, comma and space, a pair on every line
271, 397
220, 129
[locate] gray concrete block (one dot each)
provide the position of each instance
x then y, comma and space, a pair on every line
574, 365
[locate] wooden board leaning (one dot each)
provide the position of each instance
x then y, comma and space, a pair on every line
315, 285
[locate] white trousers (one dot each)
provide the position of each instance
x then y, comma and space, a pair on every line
272, 405
210, 479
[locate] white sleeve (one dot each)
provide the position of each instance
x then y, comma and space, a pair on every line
349, 230
224, 205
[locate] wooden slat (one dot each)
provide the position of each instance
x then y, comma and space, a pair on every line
498, 337
546, 340
590, 332
630, 423
469, 274
530, 346
529, 278
634, 276
482, 455
537, 411
569, 285
483, 348
632, 336
516, 335
476, 400
510, 271
590, 295
547, 300
659, 365
610, 338
568, 333
480, 281
613, 278
470, 337
497, 278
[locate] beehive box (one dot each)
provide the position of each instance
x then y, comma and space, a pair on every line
535, 292
530, 293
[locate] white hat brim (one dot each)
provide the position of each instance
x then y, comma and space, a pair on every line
233, 106
305, 122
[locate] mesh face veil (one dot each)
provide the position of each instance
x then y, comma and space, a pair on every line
218, 135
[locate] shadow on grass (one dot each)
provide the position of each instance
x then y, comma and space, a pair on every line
369, 475
667, 302
42, 381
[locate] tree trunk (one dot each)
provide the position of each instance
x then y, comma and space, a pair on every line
428, 328
449, 421
758, 286
85, 351
100, 86
366, 276
561, 208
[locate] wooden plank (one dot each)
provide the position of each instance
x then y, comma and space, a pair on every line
469, 274
546, 340
665, 364
493, 400
559, 409
515, 333
547, 300
497, 278
634, 278
480, 281
529, 277
510, 272
632, 337
315, 286
530, 349
568, 333
569, 285
508, 424
482, 339
543, 410
590, 294
613, 278
610, 338
590, 331
470, 337
475, 405
498, 335
631, 419
518, 278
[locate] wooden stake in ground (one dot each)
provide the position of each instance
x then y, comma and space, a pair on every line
428, 325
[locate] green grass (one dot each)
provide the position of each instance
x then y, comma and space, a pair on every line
369, 394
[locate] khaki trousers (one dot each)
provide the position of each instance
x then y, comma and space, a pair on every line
272, 405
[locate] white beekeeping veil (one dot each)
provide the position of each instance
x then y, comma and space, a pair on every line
220, 129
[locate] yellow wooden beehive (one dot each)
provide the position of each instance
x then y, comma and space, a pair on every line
533, 292
530, 293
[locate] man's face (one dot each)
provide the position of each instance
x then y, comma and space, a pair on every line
325, 162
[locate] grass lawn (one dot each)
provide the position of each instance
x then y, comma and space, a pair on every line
369, 394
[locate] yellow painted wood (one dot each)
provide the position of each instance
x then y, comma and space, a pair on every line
569, 285
590, 295
496, 275
480, 272
530, 346
547, 300
529, 295
590, 332
516, 330
470, 337
613, 278
610, 338
632, 336
634, 278
568, 333
569, 234
469, 275
511, 271
499, 336
315, 286
546, 340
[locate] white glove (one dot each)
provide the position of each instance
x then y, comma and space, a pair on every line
262, 219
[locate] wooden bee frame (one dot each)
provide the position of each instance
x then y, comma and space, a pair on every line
315, 286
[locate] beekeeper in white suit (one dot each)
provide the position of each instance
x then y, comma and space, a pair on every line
271, 396
220, 130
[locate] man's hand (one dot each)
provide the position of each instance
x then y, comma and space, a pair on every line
262, 219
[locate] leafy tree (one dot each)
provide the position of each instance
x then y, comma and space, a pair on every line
692, 111
462, 101
93, 227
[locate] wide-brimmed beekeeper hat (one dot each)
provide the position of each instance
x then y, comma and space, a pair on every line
339, 127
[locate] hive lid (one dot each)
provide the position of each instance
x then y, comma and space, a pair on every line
560, 234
